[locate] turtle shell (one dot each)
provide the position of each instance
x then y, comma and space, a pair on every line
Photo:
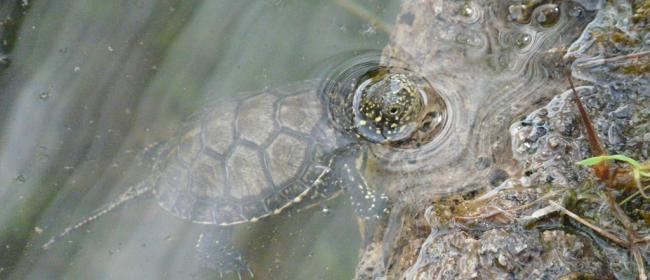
239, 161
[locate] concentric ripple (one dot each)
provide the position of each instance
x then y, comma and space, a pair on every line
391, 106
491, 61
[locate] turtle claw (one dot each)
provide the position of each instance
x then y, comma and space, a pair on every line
248, 270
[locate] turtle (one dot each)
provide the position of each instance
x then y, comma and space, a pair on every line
241, 160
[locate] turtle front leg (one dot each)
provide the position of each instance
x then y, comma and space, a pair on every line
368, 203
216, 252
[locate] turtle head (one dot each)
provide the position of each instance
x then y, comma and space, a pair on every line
387, 107
383, 105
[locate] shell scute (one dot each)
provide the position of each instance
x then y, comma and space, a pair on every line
209, 177
218, 127
184, 205
227, 213
254, 209
286, 157
203, 212
315, 173
189, 145
246, 173
300, 113
173, 180
255, 119
239, 161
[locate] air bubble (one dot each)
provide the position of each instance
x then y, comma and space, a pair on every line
519, 13
576, 11
547, 15
522, 40
466, 10
463, 13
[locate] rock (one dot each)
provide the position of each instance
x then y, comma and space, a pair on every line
512, 231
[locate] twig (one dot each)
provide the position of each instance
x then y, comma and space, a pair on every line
508, 212
545, 197
642, 240
487, 215
638, 259
592, 136
632, 196
631, 233
493, 192
598, 230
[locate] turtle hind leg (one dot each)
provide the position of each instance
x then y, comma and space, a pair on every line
216, 252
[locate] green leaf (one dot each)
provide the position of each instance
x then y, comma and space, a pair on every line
593, 161
627, 160
596, 160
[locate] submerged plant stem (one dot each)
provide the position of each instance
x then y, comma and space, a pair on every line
632, 196
595, 228
592, 136
631, 233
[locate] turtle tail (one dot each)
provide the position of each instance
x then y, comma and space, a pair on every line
133, 192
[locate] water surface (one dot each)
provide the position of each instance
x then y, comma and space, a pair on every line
90, 84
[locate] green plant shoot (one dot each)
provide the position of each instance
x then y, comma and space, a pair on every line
638, 170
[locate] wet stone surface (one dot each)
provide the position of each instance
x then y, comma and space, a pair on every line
513, 231
502, 254
549, 141
490, 69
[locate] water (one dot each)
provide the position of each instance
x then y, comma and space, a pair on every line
490, 66
91, 88
119, 76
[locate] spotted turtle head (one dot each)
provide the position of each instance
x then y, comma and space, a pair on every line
387, 107
384, 105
